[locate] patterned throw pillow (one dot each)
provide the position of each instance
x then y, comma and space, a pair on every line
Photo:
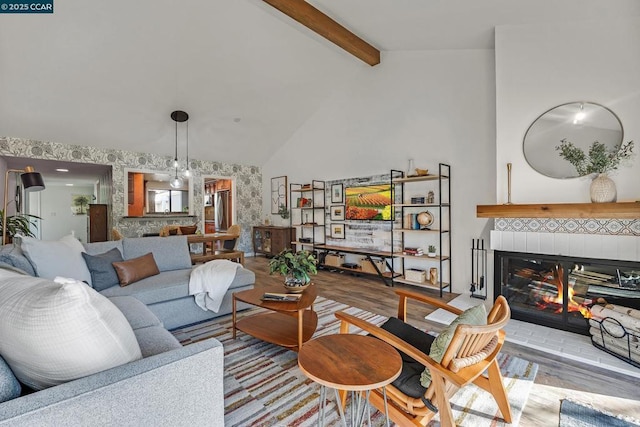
476, 315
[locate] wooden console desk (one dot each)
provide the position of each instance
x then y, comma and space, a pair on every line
386, 277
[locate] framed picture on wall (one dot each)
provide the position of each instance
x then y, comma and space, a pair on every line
337, 213
337, 231
337, 195
278, 193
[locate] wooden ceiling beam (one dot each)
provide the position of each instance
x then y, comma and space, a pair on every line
317, 21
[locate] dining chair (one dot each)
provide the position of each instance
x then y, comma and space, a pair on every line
229, 249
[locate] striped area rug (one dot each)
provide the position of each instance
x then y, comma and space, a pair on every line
264, 386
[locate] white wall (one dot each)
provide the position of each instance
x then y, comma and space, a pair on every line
541, 66
435, 106
55, 205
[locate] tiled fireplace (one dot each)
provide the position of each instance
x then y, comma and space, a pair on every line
559, 272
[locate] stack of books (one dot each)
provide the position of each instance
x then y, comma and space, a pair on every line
412, 251
272, 296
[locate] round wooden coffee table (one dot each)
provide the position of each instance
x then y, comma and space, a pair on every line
287, 324
354, 363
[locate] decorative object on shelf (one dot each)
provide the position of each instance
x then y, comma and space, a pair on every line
431, 251
296, 267
31, 181
431, 198
415, 275
303, 202
508, 184
599, 160
410, 168
417, 200
337, 193
337, 231
337, 213
425, 219
283, 211
278, 193
603, 189
422, 172
266, 221
180, 117
433, 275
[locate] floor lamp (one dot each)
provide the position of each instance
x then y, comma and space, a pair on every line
31, 180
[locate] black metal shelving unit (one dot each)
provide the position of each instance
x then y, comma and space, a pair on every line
406, 188
308, 218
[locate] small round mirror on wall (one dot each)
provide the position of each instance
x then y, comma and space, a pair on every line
581, 123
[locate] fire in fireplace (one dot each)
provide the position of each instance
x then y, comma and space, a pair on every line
559, 292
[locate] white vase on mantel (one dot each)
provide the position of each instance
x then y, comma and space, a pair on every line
603, 189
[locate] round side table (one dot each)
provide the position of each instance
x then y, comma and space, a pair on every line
350, 362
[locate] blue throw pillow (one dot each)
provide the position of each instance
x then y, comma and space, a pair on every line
9, 385
103, 275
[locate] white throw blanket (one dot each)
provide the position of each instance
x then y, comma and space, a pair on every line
210, 281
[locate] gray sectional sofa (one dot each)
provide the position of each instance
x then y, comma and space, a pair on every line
171, 385
166, 294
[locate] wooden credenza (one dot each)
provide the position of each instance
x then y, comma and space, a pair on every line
271, 240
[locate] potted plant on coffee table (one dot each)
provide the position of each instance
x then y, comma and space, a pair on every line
296, 267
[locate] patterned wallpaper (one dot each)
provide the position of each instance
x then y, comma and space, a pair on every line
248, 182
616, 227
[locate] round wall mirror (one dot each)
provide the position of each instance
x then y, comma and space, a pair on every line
581, 123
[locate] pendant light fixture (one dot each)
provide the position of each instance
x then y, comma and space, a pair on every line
179, 117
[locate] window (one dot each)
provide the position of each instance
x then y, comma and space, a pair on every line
168, 201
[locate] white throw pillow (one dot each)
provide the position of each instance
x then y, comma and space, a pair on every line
51, 333
57, 258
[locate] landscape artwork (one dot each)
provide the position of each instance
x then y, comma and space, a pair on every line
369, 202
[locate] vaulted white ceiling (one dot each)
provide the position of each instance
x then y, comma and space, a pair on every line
108, 74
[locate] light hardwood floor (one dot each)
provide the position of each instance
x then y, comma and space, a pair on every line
557, 378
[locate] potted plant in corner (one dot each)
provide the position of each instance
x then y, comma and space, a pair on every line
597, 162
296, 267
18, 225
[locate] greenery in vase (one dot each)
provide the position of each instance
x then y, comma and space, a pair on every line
283, 211
299, 265
597, 160
432, 249
19, 224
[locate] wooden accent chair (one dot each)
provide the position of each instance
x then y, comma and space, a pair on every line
471, 352
229, 249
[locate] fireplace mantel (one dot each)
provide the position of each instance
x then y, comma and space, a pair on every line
622, 210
